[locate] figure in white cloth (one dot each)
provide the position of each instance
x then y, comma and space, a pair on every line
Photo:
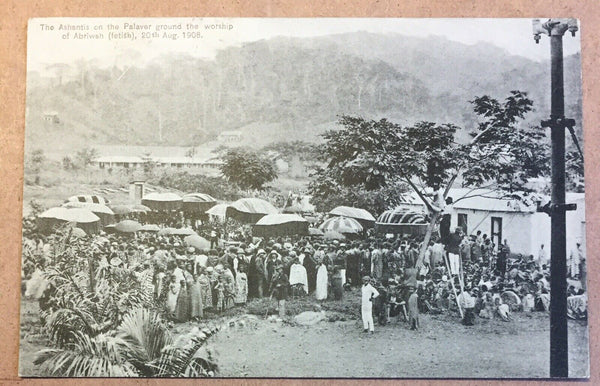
321, 291
368, 294
298, 275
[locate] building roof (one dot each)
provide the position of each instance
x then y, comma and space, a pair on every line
231, 132
162, 160
486, 200
119, 158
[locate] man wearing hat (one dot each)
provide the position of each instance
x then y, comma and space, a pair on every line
259, 276
279, 288
368, 294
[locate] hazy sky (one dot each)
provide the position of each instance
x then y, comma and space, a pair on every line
47, 46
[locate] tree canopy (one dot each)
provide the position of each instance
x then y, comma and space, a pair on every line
247, 168
501, 156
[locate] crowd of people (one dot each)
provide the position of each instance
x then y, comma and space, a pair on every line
460, 273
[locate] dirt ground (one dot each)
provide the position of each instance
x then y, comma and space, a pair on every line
442, 348
254, 346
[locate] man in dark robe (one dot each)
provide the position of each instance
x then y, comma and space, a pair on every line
311, 272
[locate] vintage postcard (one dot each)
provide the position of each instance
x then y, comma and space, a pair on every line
331, 198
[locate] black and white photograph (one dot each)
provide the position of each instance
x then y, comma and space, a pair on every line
304, 198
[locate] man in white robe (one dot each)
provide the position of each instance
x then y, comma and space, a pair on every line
321, 290
298, 275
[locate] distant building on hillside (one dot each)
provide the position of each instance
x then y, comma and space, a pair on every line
134, 162
51, 117
232, 136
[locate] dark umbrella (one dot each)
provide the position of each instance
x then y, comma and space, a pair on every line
250, 210
280, 225
162, 201
198, 202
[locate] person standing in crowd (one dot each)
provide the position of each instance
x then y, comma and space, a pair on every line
413, 309
465, 250
310, 265
437, 254
353, 264
182, 309
196, 305
582, 267
205, 288
172, 295
377, 263
476, 248
365, 260
322, 282
337, 285
220, 293
542, 257
298, 276
241, 285
574, 261
368, 293
279, 288
503, 253
467, 303
261, 278
214, 238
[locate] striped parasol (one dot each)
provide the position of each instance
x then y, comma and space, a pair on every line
341, 225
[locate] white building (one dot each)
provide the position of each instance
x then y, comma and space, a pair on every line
520, 224
134, 162
233, 136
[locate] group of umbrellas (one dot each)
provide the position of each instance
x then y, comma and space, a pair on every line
90, 213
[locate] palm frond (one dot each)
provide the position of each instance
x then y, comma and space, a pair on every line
100, 356
146, 335
184, 362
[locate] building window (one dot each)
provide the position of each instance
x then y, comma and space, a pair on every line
462, 222
496, 230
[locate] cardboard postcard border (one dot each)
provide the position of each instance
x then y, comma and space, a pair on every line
14, 15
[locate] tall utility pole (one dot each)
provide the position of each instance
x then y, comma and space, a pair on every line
559, 343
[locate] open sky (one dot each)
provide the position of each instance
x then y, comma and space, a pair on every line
48, 46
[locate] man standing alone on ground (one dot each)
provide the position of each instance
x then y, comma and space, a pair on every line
368, 294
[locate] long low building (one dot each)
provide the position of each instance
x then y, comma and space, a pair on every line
139, 162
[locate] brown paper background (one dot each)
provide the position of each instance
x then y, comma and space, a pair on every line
13, 27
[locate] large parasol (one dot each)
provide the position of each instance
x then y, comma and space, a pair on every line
129, 208
176, 231
365, 218
278, 224
198, 202
82, 218
196, 241
162, 201
402, 220
250, 210
343, 225
333, 235
128, 226
315, 232
149, 228
107, 216
218, 211
89, 198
